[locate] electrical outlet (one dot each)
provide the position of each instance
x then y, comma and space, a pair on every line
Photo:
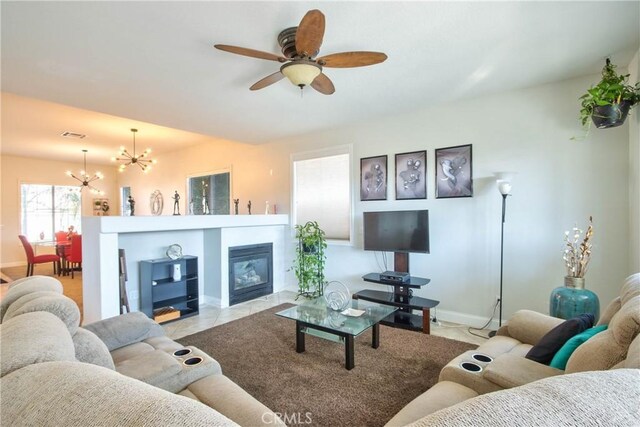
497, 298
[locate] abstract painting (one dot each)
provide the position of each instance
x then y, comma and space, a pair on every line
454, 172
373, 178
410, 175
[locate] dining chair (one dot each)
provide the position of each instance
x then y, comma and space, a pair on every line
33, 259
74, 257
62, 249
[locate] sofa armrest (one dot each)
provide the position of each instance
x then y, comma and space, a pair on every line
126, 329
510, 370
529, 326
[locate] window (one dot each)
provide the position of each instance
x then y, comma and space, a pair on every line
125, 207
210, 194
322, 191
46, 209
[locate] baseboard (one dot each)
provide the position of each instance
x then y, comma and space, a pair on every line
466, 319
13, 264
216, 302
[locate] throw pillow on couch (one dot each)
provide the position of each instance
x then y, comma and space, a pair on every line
553, 341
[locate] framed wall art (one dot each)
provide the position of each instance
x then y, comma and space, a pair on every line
411, 175
373, 178
454, 172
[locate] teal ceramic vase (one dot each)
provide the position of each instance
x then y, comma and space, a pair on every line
573, 299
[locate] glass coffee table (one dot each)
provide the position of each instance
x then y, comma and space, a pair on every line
315, 318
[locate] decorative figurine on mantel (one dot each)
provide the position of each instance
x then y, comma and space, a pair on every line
132, 205
235, 207
266, 209
249, 207
176, 203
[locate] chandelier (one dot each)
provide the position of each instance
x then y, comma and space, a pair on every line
84, 179
133, 159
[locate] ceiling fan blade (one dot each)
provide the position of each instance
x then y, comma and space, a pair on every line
351, 59
250, 52
269, 80
323, 85
310, 33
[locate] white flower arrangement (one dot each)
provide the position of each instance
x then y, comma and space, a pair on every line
577, 254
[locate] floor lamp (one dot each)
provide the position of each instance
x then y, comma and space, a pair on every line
503, 180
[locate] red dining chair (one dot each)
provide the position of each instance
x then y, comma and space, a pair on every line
74, 257
33, 259
62, 250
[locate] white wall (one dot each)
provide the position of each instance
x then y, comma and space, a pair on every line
559, 183
634, 173
17, 170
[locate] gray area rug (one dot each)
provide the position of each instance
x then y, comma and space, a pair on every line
258, 353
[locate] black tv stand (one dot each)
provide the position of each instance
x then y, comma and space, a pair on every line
401, 297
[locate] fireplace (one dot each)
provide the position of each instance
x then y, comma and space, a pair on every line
250, 272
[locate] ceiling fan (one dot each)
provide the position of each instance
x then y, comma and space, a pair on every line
300, 45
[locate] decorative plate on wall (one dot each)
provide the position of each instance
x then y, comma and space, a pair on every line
156, 203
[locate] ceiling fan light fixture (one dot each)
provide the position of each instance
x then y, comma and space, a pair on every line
301, 73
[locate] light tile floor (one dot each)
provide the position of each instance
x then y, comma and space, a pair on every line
210, 316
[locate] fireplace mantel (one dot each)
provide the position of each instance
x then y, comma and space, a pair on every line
145, 237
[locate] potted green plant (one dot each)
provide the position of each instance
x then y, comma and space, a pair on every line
310, 259
608, 103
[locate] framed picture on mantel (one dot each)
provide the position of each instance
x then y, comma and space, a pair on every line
454, 172
373, 178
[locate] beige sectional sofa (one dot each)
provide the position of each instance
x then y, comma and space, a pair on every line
125, 371
119, 371
604, 373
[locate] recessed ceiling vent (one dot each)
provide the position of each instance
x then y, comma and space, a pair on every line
68, 134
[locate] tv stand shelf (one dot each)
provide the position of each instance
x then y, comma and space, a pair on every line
403, 299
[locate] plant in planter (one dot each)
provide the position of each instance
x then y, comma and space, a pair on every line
310, 259
608, 103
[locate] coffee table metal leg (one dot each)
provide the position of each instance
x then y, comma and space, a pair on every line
375, 339
348, 351
299, 337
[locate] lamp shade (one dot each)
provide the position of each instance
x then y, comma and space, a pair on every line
503, 181
301, 73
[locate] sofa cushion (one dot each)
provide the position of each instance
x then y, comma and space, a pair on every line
610, 347
609, 312
33, 338
440, 396
129, 351
73, 394
607, 398
90, 349
27, 285
59, 305
544, 350
150, 367
225, 396
125, 329
529, 326
501, 345
561, 358
510, 370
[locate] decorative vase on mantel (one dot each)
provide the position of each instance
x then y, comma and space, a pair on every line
573, 299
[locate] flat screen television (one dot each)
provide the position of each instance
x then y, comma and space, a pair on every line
397, 231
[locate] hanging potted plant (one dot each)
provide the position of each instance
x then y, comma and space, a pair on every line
310, 259
608, 103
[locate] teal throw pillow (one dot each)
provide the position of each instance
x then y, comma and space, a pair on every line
561, 358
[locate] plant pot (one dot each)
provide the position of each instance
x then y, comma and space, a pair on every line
609, 116
310, 249
572, 299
